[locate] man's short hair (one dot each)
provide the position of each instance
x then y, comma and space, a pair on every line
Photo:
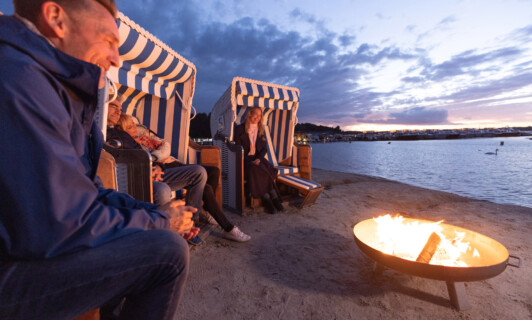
119, 97
30, 9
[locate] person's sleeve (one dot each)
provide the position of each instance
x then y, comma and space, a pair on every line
261, 149
49, 205
118, 199
239, 130
238, 140
238, 135
163, 152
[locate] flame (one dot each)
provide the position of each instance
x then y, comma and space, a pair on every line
405, 239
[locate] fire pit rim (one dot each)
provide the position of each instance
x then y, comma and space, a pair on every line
431, 271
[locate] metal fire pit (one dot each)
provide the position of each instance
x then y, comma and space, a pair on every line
493, 259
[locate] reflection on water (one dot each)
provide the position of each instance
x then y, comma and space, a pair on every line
457, 166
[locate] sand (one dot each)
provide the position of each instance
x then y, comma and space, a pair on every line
304, 264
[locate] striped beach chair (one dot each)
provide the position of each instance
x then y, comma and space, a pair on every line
280, 104
158, 86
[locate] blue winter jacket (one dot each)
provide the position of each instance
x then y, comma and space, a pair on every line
50, 200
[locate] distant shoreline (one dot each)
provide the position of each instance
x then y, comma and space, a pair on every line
418, 137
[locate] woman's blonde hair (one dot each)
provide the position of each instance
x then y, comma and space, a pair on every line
124, 121
260, 126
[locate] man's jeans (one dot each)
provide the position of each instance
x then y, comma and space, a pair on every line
161, 193
191, 177
148, 268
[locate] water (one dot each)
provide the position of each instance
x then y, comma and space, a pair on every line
457, 166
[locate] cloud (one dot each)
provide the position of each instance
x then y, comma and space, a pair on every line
325, 68
329, 68
492, 88
523, 34
447, 20
410, 28
468, 62
414, 116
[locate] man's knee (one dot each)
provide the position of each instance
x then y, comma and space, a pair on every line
161, 193
200, 172
169, 246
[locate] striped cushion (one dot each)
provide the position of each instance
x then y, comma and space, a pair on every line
287, 170
298, 182
270, 154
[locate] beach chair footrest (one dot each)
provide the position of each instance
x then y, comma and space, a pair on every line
309, 189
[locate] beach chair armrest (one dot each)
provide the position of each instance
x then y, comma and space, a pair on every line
107, 170
133, 171
304, 160
210, 156
233, 175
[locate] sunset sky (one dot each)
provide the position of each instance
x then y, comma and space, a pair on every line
362, 65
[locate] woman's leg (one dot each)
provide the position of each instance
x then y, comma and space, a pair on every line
276, 199
210, 204
213, 177
268, 203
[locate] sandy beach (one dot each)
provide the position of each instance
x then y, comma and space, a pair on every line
304, 264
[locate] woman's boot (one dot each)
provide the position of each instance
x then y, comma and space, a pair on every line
278, 204
268, 205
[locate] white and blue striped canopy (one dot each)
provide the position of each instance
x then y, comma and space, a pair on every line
147, 64
253, 94
156, 83
280, 104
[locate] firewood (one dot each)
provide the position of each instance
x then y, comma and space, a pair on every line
430, 248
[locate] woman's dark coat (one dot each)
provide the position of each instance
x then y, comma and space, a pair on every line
260, 178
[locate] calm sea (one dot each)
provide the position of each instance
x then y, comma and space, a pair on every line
457, 166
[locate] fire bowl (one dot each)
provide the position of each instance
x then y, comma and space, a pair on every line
492, 261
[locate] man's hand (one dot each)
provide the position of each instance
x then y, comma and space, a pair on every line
157, 173
180, 216
256, 162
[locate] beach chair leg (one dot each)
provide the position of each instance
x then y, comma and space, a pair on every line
310, 196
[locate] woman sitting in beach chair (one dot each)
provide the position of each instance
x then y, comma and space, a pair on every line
259, 172
161, 149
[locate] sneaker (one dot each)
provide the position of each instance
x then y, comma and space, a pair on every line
236, 235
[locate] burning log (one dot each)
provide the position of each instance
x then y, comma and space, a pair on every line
429, 249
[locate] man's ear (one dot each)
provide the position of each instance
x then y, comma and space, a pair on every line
52, 20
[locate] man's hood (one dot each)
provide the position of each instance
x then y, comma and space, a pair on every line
79, 75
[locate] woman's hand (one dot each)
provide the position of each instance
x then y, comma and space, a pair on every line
256, 162
157, 173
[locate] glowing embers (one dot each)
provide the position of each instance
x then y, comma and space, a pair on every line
422, 241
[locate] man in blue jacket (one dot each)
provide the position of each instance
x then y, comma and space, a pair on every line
67, 245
